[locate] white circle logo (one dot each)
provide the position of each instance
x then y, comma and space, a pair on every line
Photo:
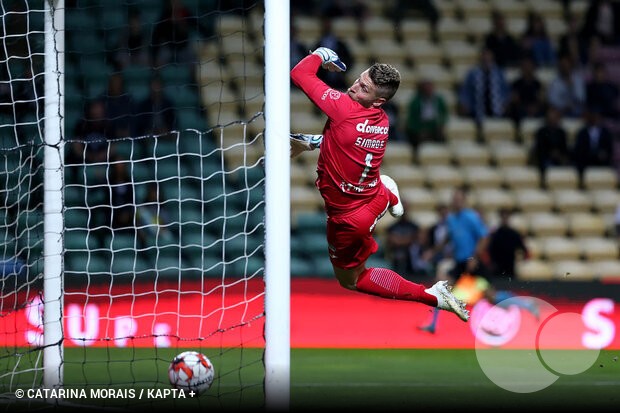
535, 364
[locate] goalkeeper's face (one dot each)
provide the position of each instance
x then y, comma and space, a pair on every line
365, 92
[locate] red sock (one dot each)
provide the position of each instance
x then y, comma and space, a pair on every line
388, 284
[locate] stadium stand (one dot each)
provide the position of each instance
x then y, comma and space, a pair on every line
494, 160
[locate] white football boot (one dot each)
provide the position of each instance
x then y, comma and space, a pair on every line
395, 210
447, 301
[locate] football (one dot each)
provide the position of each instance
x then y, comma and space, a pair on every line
191, 371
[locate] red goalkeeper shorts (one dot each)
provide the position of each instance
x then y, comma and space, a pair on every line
350, 235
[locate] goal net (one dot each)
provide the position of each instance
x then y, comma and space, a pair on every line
159, 117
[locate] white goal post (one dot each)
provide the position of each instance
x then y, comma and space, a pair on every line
277, 207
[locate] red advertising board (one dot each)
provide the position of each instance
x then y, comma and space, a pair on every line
322, 315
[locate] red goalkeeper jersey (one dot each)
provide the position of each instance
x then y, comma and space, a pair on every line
354, 141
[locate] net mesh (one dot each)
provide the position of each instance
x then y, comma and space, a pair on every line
163, 194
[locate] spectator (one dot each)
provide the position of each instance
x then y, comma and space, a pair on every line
536, 43
156, 114
526, 98
121, 201
393, 112
501, 43
593, 144
484, 91
572, 43
602, 22
90, 136
567, 91
328, 38
468, 235
133, 45
438, 247
602, 94
551, 144
401, 238
119, 106
427, 115
505, 244
170, 40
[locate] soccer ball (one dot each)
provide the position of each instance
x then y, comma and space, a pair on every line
191, 371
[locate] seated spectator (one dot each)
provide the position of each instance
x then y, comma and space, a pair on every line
393, 111
173, 31
572, 43
437, 247
330, 40
484, 91
404, 248
133, 45
567, 91
593, 144
155, 115
551, 144
119, 106
536, 43
526, 98
501, 43
90, 136
121, 201
602, 22
427, 115
601, 93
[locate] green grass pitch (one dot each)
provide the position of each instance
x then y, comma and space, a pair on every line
333, 380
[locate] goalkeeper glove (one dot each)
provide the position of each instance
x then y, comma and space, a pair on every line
330, 59
301, 142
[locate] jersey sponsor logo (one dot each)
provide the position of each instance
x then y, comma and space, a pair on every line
333, 94
369, 143
364, 127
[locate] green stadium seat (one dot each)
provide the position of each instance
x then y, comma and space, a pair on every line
177, 74
310, 222
301, 267
314, 244
192, 119
245, 267
80, 239
81, 263
118, 241
113, 16
322, 266
75, 218
128, 262
242, 245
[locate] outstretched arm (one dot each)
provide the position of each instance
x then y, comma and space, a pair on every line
304, 76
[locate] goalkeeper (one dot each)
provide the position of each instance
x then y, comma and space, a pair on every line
355, 195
